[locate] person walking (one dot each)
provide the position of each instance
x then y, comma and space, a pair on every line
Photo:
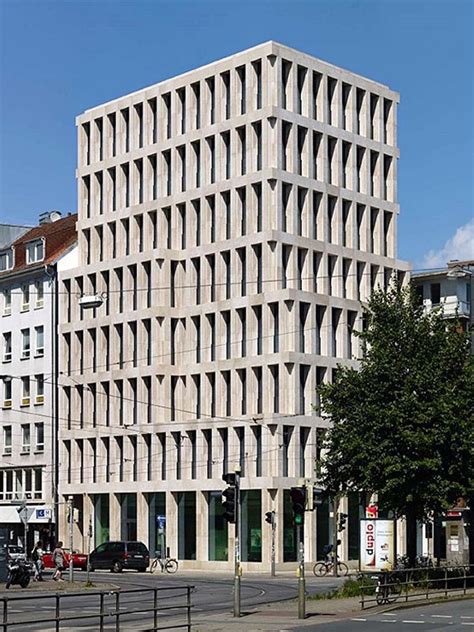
59, 559
37, 557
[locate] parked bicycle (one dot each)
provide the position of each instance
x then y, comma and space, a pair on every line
168, 564
320, 569
388, 588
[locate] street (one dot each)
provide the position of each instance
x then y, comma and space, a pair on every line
210, 595
453, 616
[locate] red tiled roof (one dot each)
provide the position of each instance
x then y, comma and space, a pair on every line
58, 236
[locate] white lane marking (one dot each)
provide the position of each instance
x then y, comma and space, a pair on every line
358, 619
442, 616
465, 616
388, 621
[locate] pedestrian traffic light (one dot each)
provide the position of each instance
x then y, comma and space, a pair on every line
269, 517
298, 500
229, 501
342, 521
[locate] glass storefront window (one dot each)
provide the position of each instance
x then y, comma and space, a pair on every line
218, 542
128, 516
251, 547
101, 519
156, 534
186, 525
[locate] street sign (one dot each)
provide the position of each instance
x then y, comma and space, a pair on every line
161, 522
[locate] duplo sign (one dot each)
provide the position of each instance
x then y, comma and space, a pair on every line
377, 545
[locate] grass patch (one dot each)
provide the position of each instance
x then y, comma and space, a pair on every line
350, 588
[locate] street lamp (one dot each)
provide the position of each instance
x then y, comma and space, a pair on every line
91, 301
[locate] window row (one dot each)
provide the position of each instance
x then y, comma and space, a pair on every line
26, 298
336, 102
31, 438
233, 214
246, 332
289, 389
21, 484
279, 450
227, 275
31, 391
34, 253
191, 107
26, 348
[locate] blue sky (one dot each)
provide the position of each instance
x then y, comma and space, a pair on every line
59, 58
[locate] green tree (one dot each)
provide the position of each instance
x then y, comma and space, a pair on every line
403, 423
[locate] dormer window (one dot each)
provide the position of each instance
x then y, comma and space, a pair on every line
35, 251
6, 260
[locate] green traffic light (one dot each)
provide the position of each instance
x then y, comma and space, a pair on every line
298, 519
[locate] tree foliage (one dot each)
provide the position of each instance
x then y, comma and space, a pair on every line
403, 423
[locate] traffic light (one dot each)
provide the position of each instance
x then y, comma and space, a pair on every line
269, 517
298, 500
229, 498
342, 521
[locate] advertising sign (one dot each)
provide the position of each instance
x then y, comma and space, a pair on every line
377, 545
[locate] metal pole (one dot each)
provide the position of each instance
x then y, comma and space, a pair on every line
71, 528
89, 535
301, 580
237, 548
273, 544
335, 508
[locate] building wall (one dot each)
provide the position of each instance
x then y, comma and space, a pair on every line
234, 217
26, 465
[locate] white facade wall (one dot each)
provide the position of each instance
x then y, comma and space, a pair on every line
234, 216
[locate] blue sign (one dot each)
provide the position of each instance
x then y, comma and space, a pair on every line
161, 522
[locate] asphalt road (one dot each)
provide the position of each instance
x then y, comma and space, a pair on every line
455, 616
211, 594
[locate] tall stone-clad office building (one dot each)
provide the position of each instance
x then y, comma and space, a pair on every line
233, 217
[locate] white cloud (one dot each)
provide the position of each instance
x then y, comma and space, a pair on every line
459, 246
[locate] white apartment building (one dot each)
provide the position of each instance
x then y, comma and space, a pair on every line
232, 218
28, 322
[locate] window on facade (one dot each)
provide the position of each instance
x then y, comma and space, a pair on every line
7, 439
25, 390
7, 302
39, 340
39, 389
25, 343
7, 392
435, 293
6, 260
25, 297
25, 438
39, 437
35, 251
7, 346
39, 294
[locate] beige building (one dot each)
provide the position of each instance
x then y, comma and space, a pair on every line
233, 218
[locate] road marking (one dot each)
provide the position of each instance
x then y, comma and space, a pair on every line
442, 616
465, 616
388, 621
358, 619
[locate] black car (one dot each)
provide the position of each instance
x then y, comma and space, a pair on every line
115, 556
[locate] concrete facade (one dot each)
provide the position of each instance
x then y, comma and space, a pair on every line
233, 217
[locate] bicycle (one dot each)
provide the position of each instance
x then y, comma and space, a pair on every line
320, 569
388, 588
168, 564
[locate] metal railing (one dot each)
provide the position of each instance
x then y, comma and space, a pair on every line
411, 584
109, 608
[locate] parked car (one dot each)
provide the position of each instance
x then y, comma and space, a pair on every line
79, 560
116, 556
16, 553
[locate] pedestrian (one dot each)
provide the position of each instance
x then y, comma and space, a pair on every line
59, 559
37, 557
